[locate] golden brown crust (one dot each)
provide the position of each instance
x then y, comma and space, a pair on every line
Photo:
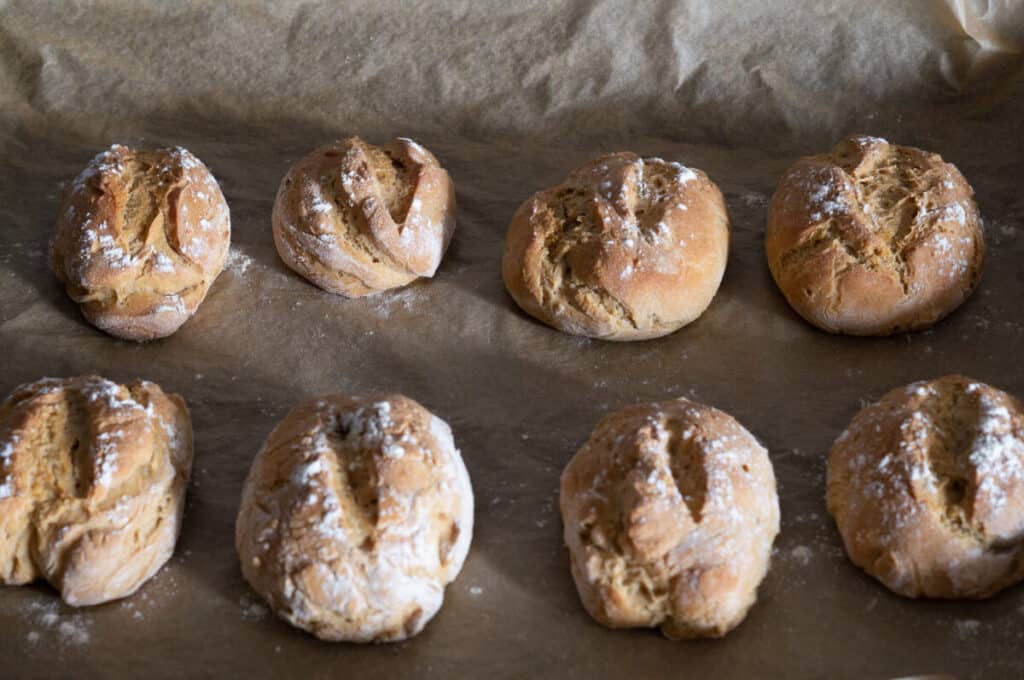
926, 487
356, 219
140, 237
624, 249
92, 484
669, 513
874, 238
356, 514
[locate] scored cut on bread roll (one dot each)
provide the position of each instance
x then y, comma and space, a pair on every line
927, 489
140, 237
626, 248
356, 514
92, 485
874, 238
356, 219
669, 513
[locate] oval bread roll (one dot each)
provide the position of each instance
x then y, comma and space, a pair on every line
140, 238
926, 487
356, 514
669, 512
92, 485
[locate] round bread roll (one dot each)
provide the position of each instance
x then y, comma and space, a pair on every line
92, 485
356, 514
926, 487
141, 236
357, 219
626, 248
874, 238
669, 512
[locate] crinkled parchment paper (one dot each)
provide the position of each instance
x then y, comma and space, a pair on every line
510, 96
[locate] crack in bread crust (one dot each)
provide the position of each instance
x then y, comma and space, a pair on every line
570, 233
354, 215
688, 461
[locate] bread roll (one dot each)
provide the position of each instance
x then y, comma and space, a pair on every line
357, 219
92, 485
355, 516
927, 489
141, 235
873, 238
669, 512
626, 248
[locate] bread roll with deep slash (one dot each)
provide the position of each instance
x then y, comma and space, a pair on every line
926, 484
357, 219
92, 485
356, 514
669, 511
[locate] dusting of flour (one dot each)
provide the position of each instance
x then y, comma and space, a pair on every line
238, 262
251, 608
403, 300
50, 624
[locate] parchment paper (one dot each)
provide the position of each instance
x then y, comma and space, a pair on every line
510, 96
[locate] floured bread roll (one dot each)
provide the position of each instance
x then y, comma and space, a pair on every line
141, 236
874, 238
355, 516
669, 512
926, 487
357, 219
92, 485
626, 248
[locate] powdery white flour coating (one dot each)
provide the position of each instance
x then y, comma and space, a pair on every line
357, 513
140, 238
92, 484
874, 238
626, 248
926, 487
357, 219
669, 513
